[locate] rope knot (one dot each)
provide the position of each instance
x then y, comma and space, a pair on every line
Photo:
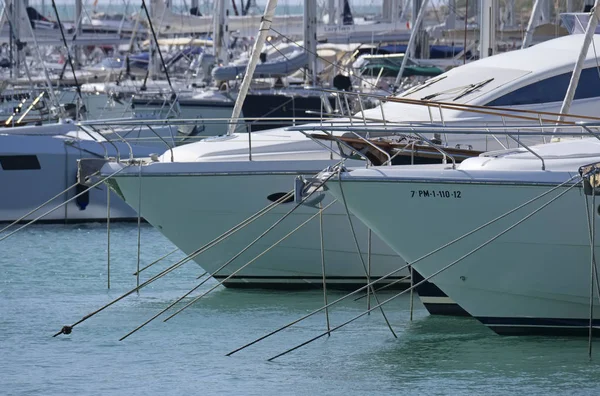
65, 330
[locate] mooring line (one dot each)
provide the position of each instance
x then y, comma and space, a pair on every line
250, 262
412, 294
157, 261
403, 267
220, 283
371, 288
139, 230
41, 206
68, 328
107, 237
279, 221
369, 240
592, 273
167, 308
473, 251
591, 222
322, 238
590, 236
281, 199
407, 277
62, 204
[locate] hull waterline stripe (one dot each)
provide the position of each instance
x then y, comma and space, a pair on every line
300, 277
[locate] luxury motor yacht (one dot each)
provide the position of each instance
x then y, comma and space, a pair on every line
526, 269
202, 189
38, 162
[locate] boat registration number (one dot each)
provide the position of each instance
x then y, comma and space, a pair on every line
435, 194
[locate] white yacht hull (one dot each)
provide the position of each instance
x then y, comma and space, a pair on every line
535, 279
33, 169
194, 207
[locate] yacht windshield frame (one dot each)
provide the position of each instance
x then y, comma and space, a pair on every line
426, 84
473, 88
466, 90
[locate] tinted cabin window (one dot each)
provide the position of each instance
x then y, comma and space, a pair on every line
552, 89
19, 162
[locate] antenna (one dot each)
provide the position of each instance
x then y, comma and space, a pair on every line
69, 59
162, 61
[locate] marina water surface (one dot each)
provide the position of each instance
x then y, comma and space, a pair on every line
53, 275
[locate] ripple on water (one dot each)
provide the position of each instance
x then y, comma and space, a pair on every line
53, 275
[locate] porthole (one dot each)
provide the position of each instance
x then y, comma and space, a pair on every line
277, 196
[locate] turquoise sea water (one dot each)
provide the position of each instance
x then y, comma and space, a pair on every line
52, 275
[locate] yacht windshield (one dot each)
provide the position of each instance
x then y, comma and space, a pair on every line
423, 86
462, 91
466, 84
473, 88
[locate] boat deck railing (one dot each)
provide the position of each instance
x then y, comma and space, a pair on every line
510, 123
383, 131
529, 123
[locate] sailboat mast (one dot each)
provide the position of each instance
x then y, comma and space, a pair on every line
487, 28
451, 18
150, 10
219, 32
78, 22
331, 12
395, 11
263, 31
340, 12
533, 20
417, 7
589, 34
16, 40
510, 20
310, 40
413, 36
